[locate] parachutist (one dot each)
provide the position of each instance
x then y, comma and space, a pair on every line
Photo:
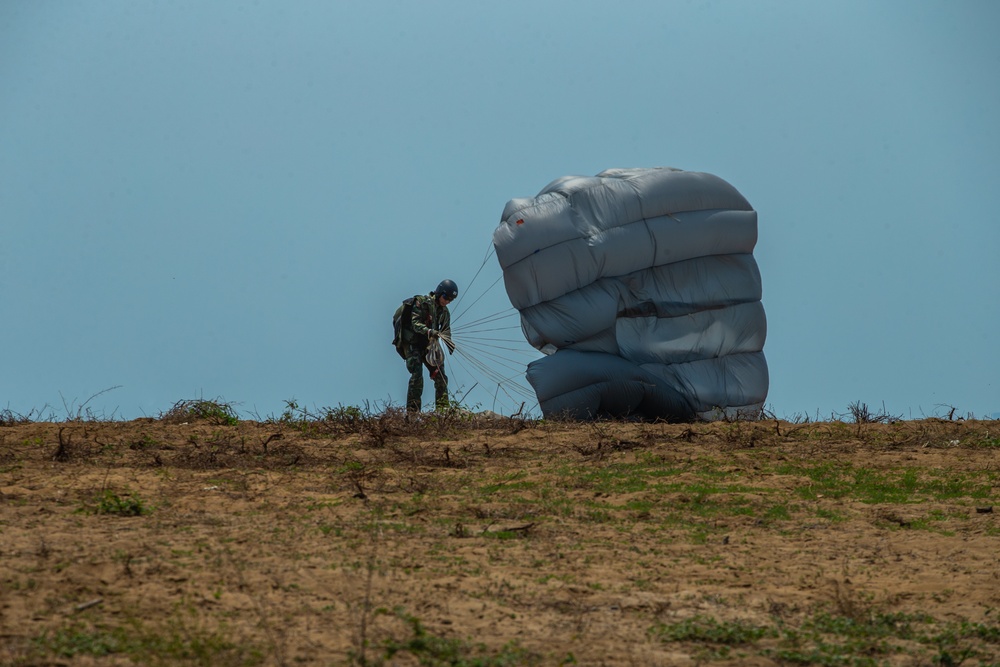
421, 322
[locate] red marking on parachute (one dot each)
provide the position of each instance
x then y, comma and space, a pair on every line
520, 222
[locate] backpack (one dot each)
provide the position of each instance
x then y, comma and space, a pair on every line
401, 321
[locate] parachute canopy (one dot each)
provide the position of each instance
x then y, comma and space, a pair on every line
641, 288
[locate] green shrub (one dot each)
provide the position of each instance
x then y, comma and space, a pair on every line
125, 504
217, 412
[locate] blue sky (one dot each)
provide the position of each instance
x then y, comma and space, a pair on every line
228, 200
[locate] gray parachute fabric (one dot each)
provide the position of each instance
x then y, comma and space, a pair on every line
641, 288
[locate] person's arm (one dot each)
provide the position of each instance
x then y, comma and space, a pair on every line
418, 317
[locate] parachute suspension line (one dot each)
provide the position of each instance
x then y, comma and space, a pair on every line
492, 342
509, 385
494, 378
523, 395
469, 330
489, 335
526, 398
477, 332
485, 292
482, 326
451, 346
490, 250
503, 382
482, 351
473, 332
489, 319
435, 357
481, 357
490, 371
489, 253
499, 353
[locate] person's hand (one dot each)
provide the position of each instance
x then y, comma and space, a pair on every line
432, 333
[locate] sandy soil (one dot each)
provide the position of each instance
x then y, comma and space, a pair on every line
546, 543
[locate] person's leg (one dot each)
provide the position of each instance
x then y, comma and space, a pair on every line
415, 387
440, 390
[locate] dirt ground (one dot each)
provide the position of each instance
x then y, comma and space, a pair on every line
364, 542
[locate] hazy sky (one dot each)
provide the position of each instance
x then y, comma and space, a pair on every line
229, 199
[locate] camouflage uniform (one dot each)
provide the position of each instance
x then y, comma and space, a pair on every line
427, 314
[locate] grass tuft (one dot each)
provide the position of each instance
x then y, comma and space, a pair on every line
124, 504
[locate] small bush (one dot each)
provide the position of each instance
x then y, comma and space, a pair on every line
125, 504
861, 414
216, 412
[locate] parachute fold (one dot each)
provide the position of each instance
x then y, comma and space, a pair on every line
641, 288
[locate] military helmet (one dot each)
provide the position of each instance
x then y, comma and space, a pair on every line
448, 289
